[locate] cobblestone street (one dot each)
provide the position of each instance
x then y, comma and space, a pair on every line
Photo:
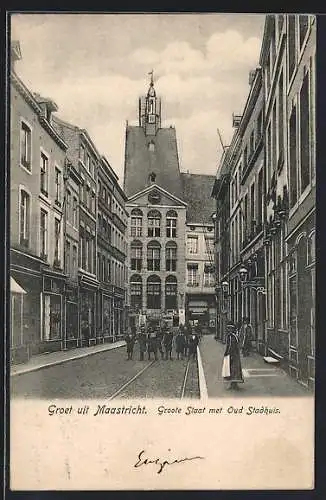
101, 375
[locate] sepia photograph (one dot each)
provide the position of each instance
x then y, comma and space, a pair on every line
162, 233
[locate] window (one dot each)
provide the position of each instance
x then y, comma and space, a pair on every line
311, 256
260, 200
252, 204
274, 138
192, 244
88, 162
252, 143
171, 256
93, 202
153, 292
269, 153
136, 252
82, 153
293, 157
192, 270
209, 242
56, 240
51, 317
136, 292
67, 258
57, 185
153, 256
304, 135
171, 292
259, 127
24, 218
280, 118
74, 260
68, 206
44, 174
25, 146
209, 278
171, 224
75, 212
303, 28
291, 44
43, 233
99, 187
154, 224
136, 223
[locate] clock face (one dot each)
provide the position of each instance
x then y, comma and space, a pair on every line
154, 197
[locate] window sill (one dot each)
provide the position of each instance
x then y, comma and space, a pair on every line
28, 171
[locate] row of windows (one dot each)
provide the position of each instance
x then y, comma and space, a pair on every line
87, 160
193, 246
153, 292
110, 233
110, 271
26, 162
193, 276
153, 223
24, 227
153, 256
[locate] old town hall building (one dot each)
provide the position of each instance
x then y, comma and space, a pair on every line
158, 204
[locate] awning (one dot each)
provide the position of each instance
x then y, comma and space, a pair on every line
15, 288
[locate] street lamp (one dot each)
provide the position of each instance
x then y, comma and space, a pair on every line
243, 273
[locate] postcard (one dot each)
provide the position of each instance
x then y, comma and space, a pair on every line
162, 251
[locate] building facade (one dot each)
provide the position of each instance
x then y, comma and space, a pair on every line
276, 268
111, 254
156, 232
200, 306
68, 232
37, 159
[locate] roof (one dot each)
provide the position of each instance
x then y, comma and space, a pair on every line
197, 189
140, 161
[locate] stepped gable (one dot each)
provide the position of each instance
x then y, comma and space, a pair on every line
197, 189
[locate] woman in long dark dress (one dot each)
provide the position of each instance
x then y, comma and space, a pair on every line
232, 370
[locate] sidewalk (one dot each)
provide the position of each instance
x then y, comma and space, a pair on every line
56, 358
261, 379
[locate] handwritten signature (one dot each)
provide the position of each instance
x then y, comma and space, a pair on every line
158, 461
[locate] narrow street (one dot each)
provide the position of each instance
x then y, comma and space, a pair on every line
102, 375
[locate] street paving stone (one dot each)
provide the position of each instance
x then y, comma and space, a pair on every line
100, 376
163, 379
258, 381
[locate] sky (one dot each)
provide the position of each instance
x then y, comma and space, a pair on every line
95, 66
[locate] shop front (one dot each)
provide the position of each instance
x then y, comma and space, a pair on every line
52, 314
105, 308
72, 317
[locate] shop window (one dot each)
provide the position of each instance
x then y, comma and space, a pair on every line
52, 317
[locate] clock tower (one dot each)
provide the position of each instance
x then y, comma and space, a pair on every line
150, 110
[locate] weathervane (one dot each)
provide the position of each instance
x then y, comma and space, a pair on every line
152, 77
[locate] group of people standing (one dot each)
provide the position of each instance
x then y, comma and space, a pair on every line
162, 341
236, 340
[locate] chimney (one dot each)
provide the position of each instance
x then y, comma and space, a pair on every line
236, 119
